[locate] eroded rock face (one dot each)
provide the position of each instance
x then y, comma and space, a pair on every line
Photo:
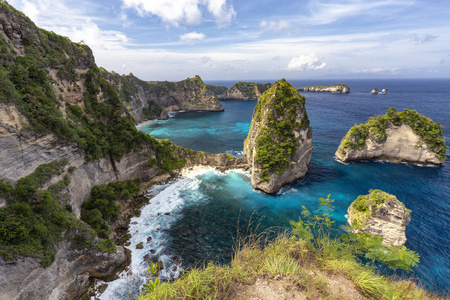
387, 220
188, 94
279, 144
374, 91
401, 145
65, 278
336, 89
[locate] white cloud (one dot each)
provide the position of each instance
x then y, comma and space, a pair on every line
306, 62
275, 26
393, 71
325, 12
425, 38
223, 13
192, 37
176, 12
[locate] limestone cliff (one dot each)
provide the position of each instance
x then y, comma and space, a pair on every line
381, 214
55, 104
245, 91
399, 137
279, 144
150, 100
336, 89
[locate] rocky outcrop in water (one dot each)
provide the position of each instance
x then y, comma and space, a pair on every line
374, 91
152, 100
245, 91
384, 91
381, 214
279, 144
398, 137
336, 89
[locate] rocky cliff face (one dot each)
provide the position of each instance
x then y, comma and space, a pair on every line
392, 137
401, 145
245, 91
337, 89
381, 214
143, 97
279, 144
65, 278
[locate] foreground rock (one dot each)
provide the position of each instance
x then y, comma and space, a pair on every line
381, 214
399, 137
245, 91
66, 278
279, 144
336, 89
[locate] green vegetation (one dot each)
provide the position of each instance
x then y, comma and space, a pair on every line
276, 142
153, 111
248, 88
168, 157
375, 128
361, 209
35, 221
216, 89
100, 208
302, 258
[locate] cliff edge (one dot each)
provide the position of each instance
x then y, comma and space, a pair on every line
405, 136
381, 214
279, 144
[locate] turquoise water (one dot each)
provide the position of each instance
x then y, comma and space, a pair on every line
203, 227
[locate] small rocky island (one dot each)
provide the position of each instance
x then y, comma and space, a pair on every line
336, 88
374, 91
245, 91
279, 144
405, 136
381, 214
384, 91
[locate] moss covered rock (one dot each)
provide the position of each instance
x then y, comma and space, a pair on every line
381, 214
405, 136
279, 143
245, 91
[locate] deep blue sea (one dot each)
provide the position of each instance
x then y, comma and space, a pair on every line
207, 209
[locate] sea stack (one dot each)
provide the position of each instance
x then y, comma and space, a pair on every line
279, 144
384, 91
381, 214
374, 91
405, 136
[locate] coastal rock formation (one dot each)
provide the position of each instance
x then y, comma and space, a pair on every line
65, 278
381, 214
153, 99
384, 91
245, 91
337, 89
60, 107
399, 137
279, 144
374, 91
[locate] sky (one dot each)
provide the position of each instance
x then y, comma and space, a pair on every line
256, 39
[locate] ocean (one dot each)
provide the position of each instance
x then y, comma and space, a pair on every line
196, 219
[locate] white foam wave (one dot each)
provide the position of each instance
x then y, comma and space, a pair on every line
149, 229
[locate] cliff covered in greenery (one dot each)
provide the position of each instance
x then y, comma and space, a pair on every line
153, 99
397, 136
245, 91
279, 144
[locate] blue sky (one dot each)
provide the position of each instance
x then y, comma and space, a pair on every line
256, 39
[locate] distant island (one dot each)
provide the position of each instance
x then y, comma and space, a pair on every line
245, 91
339, 88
